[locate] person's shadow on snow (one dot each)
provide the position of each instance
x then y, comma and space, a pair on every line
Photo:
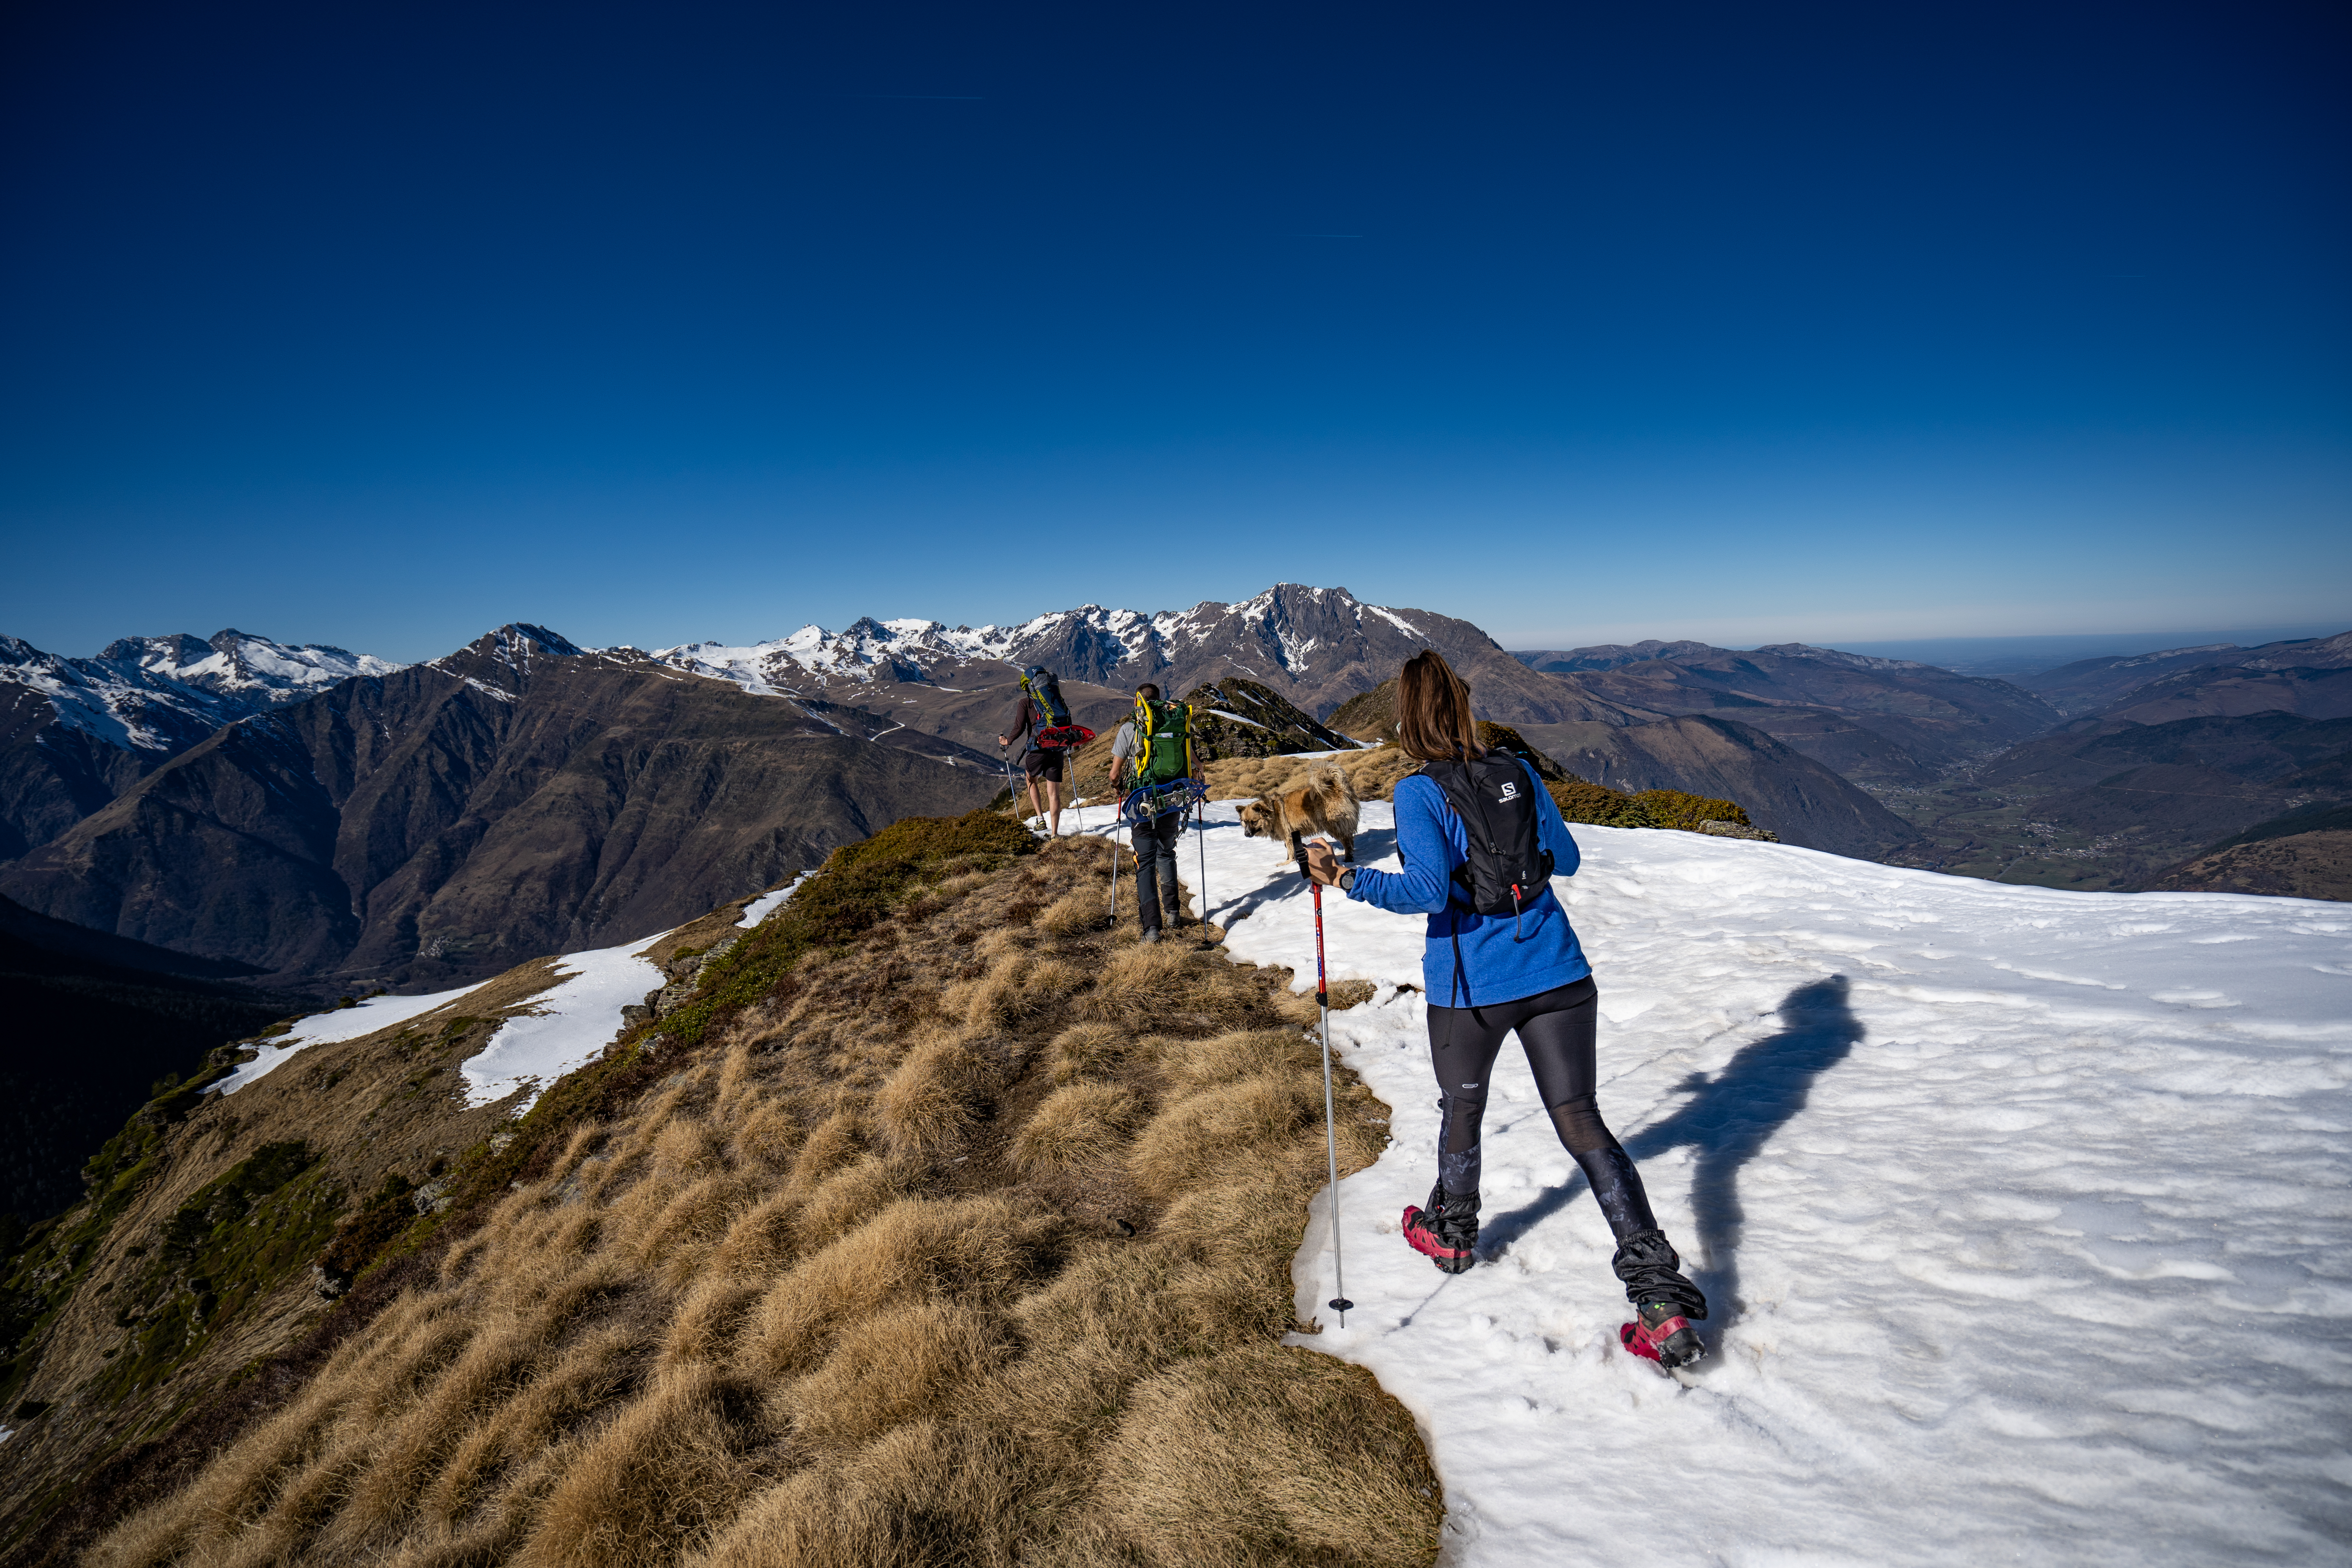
1728, 1119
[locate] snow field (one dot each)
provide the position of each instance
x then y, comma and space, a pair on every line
562, 1029
565, 1028
2024, 1214
331, 1029
569, 1027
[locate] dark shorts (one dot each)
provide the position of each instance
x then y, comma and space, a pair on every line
1042, 765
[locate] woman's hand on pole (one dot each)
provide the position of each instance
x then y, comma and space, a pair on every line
1321, 864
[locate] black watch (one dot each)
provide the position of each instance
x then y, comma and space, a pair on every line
1344, 879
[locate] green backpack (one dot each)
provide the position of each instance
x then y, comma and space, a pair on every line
1164, 735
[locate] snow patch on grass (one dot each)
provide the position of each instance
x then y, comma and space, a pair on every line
331, 1029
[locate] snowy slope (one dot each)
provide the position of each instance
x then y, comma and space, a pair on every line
2027, 1214
556, 1031
333, 1028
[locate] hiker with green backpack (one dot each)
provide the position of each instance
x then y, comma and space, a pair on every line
1150, 773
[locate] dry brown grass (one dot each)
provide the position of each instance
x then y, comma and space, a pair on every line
1078, 1128
1084, 1048
1291, 1440
972, 1246
1165, 986
932, 1100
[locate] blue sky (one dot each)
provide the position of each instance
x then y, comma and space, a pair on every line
380, 325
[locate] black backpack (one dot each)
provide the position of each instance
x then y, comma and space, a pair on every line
1495, 798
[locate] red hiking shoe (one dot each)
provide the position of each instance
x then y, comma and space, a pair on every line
1447, 1240
1662, 1334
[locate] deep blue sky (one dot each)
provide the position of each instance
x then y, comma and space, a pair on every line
381, 324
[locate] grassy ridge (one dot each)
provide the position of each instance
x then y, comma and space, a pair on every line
945, 1225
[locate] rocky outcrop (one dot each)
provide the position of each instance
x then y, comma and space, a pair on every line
1240, 718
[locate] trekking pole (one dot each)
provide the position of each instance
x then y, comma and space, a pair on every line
1116, 813
1330, 1127
1200, 832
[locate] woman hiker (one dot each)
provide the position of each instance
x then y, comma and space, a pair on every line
1517, 971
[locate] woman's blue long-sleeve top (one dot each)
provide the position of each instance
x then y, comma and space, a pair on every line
1497, 968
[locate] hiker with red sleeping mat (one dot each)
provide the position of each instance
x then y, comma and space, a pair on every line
1481, 838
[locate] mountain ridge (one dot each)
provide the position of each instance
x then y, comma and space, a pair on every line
419, 828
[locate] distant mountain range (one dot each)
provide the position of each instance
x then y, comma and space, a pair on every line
1316, 647
2101, 774
432, 825
331, 818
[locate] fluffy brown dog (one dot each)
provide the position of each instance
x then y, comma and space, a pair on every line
1325, 802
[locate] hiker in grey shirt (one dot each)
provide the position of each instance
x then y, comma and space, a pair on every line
1155, 841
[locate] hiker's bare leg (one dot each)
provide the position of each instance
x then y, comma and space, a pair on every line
1053, 804
1036, 810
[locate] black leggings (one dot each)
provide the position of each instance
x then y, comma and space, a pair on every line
1556, 1029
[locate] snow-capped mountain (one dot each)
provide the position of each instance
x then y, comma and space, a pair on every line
116, 704
162, 693
1317, 647
238, 664
1286, 627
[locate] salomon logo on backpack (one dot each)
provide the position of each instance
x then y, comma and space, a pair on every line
1508, 866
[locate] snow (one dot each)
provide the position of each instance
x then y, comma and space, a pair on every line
871, 650
277, 671
565, 1028
331, 1029
766, 904
568, 1027
2024, 1211
118, 698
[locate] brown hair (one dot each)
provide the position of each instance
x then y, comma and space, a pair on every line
1433, 710
1147, 691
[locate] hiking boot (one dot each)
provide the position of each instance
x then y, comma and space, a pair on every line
1661, 1333
1149, 937
1646, 1262
1447, 1235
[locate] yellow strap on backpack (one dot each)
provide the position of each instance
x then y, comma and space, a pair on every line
1143, 734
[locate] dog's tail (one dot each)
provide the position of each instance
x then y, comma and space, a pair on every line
1328, 784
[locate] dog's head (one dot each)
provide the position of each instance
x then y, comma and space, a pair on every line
1261, 818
